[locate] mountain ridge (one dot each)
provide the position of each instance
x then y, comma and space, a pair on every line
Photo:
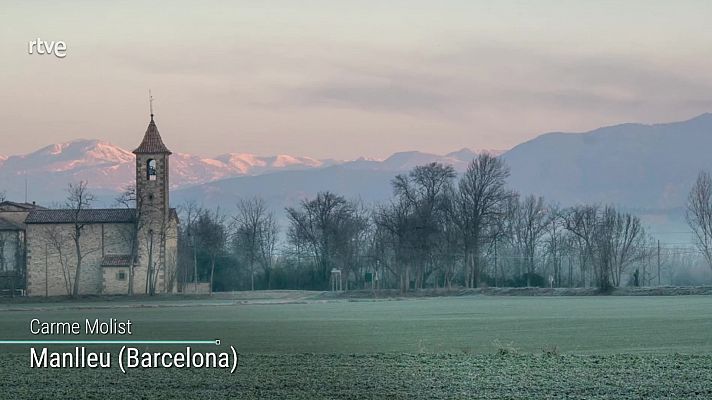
643, 166
109, 168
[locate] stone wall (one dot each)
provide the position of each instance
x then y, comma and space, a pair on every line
115, 280
51, 257
202, 288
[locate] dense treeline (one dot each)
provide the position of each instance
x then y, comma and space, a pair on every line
438, 230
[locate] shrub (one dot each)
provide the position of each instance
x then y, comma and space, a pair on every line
505, 349
550, 350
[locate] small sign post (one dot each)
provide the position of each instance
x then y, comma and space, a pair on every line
335, 279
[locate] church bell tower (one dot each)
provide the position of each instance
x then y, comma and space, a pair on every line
152, 168
153, 212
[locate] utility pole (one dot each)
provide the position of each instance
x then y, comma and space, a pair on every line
658, 262
496, 273
46, 270
557, 267
195, 267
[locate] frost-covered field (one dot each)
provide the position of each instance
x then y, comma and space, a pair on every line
392, 376
637, 347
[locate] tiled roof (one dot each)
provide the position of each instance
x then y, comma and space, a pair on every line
116, 260
95, 215
152, 142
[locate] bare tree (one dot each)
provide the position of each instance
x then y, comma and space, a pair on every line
447, 250
349, 243
158, 234
426, 192
611, 240
79, 199
191, 211
478, 203
627, 243
603, 246
581, 222
211, 234
255, 236
60, 243
327, 225
555, 245
530, 224
171, 274
500, 234
129, 199
699, 214
153, 227
394, 248
268, 246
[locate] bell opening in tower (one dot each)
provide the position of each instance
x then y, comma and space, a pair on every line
151, 170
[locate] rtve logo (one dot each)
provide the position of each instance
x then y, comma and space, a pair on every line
59, 49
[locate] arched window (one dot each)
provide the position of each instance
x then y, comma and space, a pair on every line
151, 169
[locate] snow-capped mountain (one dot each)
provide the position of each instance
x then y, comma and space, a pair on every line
76, 155
109, 168
188, 169
250, 164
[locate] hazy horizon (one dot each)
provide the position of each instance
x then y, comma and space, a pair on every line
339, 80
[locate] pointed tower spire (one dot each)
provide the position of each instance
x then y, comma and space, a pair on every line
152, 142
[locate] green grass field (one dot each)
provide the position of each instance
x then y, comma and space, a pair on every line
611, 347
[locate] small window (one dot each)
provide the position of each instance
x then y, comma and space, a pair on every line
121, 276
151, 170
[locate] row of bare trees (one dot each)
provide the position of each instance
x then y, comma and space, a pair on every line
699, 214
209, 239
438, 230
476, 231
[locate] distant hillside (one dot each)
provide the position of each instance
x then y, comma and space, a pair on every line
634, 165
282, 189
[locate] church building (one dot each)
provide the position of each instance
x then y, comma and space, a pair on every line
131, 250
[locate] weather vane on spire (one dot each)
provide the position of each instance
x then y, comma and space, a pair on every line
150, 103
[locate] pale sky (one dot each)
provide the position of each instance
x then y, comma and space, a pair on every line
338, 79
